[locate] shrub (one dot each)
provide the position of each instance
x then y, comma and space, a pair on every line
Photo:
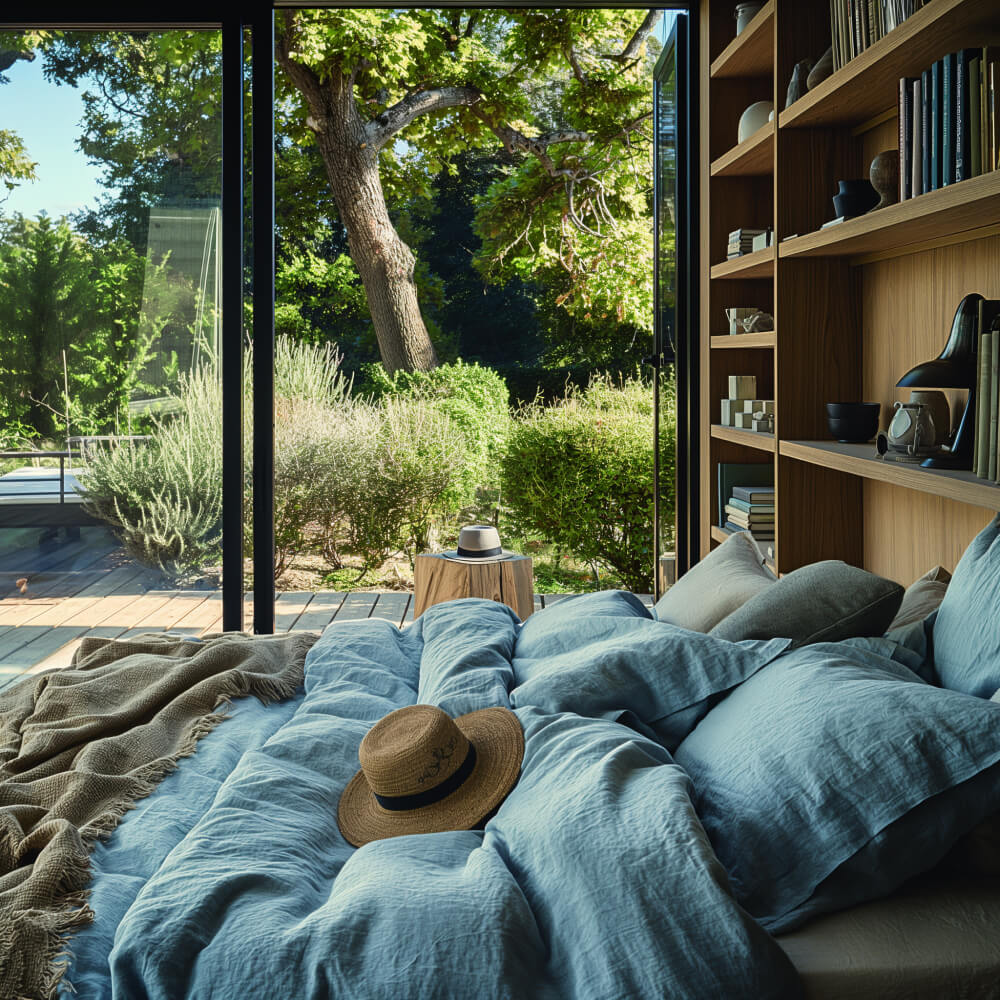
475, 399
408, 457
580, 473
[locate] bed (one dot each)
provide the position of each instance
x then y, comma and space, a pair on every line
697, 814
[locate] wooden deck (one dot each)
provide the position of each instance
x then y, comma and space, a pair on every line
71, 595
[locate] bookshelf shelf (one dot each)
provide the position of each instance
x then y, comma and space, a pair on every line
868, 84
750, 439
743, 340
750, 53
937, 215
759, 264
754, 157
861, 460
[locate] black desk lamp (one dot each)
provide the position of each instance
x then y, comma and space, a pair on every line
955, 368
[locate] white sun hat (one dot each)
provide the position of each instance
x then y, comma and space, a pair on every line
479, 543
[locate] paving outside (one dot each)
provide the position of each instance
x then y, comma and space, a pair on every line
84, 587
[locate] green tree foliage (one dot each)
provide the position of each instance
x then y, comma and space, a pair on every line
15, 164
69, 316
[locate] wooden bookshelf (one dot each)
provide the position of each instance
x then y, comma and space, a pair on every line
858, 304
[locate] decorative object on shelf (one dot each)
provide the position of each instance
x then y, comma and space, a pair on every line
884, 174
937, 402
853, 423
759, 322
822, 69
755, 117
736, 315
744, 14
854, 198
742, 386
954, 368
797, 84
910, 435
762, 240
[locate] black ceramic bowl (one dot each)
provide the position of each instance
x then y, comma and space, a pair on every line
853, 423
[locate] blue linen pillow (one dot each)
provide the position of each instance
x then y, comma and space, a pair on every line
967, 629
667, 677
834, 774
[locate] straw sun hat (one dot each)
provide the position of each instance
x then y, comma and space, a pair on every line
424, 772
478, 543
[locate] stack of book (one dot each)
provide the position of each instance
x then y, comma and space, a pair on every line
856, 24
948, 129
741, 242
742, 408
751, 508
987, 441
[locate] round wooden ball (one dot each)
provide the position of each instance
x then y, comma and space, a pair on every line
884, 175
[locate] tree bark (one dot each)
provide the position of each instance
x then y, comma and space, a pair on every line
384, 261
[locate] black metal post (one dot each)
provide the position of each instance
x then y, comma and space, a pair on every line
263, 319
232, 324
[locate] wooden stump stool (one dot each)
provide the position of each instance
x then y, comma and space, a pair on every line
508, 581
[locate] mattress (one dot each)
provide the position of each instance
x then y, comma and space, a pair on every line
936, 938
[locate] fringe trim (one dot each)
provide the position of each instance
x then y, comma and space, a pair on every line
70, 908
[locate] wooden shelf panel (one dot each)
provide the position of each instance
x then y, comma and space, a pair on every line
751, 439
751, 53
754, 157
869, 83
741, 340
861, 460
937, 215
759, 264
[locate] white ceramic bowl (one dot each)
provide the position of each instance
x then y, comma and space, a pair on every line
755, 117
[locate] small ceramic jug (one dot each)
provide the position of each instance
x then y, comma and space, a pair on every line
911, 431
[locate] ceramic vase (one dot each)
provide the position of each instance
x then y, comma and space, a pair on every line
744, 14
854, 198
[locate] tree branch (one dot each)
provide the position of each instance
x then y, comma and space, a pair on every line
423, 102
631, 50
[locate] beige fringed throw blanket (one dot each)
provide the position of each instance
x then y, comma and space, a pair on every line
78, 747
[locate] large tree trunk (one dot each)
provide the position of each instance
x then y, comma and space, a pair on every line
383, 260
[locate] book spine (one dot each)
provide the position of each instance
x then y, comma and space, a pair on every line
916, 140
977, 441
993, 114
925, 131
936, 125
975, 117
905, 140
948, 120
994, 402
834, 37
962, 123
982, 412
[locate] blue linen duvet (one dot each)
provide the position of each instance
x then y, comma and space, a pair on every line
594, 879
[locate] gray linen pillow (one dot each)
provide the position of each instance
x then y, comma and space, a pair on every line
822, 602
715, 587
922, 597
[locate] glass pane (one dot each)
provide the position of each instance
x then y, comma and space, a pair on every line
110, 452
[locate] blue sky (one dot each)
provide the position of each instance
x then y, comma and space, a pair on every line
47, 118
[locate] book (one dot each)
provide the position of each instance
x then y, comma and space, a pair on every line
905, 120
948, 121
935, 117
754, 493
963, 169
977, 441
750, 508
756, 532
925, 131
975, 116
748, 473
994, 336
916, 155
983, 411
748, 520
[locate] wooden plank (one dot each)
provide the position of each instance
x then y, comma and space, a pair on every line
740, 340
321, 611
356, 607
202, 615
28, 656
63, 656
391, 607
288, 607
759, 264
216, 625
517, 588
754, 157
750, 439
